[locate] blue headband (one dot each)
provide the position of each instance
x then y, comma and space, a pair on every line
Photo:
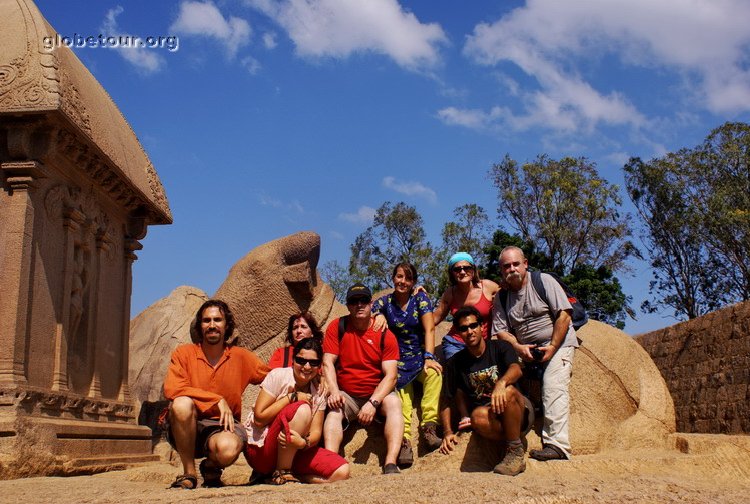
460, 256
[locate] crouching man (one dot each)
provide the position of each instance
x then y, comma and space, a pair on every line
483, 375
205, 382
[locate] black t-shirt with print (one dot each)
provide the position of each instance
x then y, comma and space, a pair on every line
477, 376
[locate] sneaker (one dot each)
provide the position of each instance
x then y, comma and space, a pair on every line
549, 452
391, 469
405, 455
429, 434
513, 462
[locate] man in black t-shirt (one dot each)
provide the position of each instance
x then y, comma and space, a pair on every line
482, 375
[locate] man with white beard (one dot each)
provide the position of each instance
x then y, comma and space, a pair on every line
539, 332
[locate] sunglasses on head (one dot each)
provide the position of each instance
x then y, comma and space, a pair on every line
302, 361
472, 326
463, 268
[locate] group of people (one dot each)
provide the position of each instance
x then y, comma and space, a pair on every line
365, 368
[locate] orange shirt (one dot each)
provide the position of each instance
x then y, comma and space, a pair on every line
191, 375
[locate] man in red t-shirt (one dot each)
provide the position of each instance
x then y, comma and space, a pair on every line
362, 383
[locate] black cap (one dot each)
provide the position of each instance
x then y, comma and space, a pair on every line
357, 291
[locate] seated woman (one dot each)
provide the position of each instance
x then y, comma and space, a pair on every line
301, 325
466, 289
409, 317
286, 423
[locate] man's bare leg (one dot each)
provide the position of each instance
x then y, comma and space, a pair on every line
223, 449
333, 430
182, 421
394, 427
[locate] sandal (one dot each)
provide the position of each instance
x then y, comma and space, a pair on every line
211, 475
185, 482
282, 477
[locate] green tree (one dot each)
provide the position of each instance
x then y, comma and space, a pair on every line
721, 186
337, 277
598, 290
695, 205
396, 234
565, 208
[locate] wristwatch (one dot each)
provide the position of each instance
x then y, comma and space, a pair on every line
375, 403
429, 356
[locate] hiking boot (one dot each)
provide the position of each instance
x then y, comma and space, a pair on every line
429, 434
405, 455
391, 469
513, 462
549, 452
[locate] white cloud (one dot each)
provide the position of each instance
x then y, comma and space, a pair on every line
205, 19
340, 28
410, 189
703, 42
143, 58
252, 65
336, 235
364, 215
269, 40
294, 205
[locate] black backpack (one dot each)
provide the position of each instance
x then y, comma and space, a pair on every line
579, 317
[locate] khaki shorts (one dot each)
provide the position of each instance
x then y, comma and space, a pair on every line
352, 406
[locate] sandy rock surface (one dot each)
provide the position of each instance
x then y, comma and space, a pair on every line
713, 468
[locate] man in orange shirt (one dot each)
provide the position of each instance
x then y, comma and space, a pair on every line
205, 382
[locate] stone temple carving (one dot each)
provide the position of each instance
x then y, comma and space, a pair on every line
77, 193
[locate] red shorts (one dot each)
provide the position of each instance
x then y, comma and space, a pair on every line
313, 461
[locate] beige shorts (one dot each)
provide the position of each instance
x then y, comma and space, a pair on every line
352, 406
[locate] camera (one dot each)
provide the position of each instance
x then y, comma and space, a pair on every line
537, 353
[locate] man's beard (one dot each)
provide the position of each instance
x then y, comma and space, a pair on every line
514, 279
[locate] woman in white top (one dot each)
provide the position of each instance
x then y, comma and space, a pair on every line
286, 423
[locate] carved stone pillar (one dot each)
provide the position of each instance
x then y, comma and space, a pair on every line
19, 180
103, 250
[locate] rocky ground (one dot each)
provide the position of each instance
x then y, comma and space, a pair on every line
704, 468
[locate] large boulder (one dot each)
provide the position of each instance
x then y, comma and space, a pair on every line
271, 283
619, 399
154, 334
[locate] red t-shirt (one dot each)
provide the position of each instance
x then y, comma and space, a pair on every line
359, 365
277, 359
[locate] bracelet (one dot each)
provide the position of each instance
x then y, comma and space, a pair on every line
429, 356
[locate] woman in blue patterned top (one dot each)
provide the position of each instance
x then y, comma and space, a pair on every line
409, 317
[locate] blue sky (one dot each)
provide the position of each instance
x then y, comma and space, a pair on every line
279, 116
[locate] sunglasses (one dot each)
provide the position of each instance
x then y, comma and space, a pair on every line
458, 269
358, 301
302, 361
472, 326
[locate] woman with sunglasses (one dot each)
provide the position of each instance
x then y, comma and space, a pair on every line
466, 289
286, 424
409, 317
300, 326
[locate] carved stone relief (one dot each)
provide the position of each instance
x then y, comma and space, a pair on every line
23, 85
